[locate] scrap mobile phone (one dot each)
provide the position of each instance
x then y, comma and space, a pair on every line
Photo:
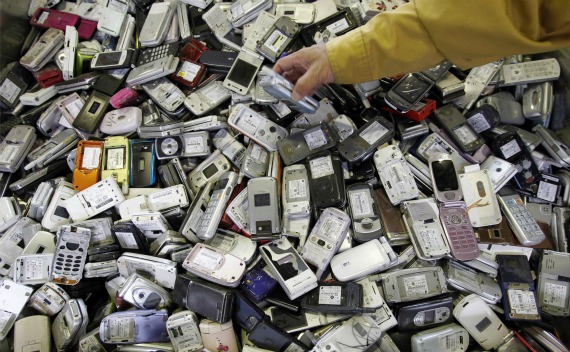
88, 160
413, 87
363, 143
366, 258
183, 330
300, 13
455, 124
296, 195
215, 265
56, 214
33, 269
205, 298
134, 326
444, 178
326, 182
152, 70
15, 147
217, 335
447, 338
92, 112
422, 221
482, 205
238, 210
280, 88
337, 23
142, 163
257, 127
70, 46
221, 192
243, 72
288, 267
52, 149
364, 213
537, 101
144, 294
395, 174
209, 170
555, 147
480, 321
70, 324
207, 98
467, 279
49, 18
255, 161
392, 221
116, 160
189, 226
524, 226
94, 199
553, 285
159, 270
482, 118
40, 340
357, 332
110, 60
301, 145
413, 284
529, 72
459, 231
123, 120
335, 297
165, 94
500, 171
70, 255
517, 284
278, 38
325, 239
235, 244
263, 207
43, 50
189, 73
112, 17
37, 97
157, 22
421, 315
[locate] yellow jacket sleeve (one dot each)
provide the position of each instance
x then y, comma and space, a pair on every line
468, 33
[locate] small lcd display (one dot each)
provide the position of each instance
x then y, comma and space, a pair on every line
242, 73
210, 171
262, 200
94, 107
444, 175
109, 58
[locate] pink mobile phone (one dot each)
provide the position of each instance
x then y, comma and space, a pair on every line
48, 18
125, 97
457, 226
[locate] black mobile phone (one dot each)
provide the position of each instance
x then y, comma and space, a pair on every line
142, 171
92, 113
200, 29
519, 296
425, 314
326, 181
218, 61
335, 298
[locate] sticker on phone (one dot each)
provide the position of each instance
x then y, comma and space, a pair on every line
330, 295
90, 158
415, 285
315, 139
373, 132
208, 259
509, 149
360, 204
321, 167
297, 189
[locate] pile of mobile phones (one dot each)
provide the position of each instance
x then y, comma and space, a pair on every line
161, 190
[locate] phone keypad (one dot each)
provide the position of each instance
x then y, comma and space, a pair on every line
525, 220
209, 213
459, 229
156, 53
69, 260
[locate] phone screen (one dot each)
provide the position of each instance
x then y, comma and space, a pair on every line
106, 59
242, 73
444, 175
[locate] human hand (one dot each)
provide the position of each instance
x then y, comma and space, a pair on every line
308, 68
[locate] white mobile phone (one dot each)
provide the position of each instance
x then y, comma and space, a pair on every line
243, 71
215, 265
260, 129
325, 239
263, 207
